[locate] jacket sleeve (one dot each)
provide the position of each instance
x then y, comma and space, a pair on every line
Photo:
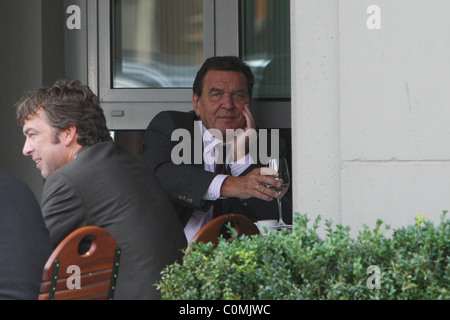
62, 207
187, 182
24, 242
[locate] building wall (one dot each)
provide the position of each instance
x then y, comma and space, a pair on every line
369, 107
370, 110
21, 69
31, 56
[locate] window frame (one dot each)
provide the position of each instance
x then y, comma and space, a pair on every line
143, 94
133, 108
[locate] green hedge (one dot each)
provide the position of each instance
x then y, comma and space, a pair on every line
413, 262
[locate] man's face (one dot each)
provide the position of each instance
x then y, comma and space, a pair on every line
224, 95
43, 144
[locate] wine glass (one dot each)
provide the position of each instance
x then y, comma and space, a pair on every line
283, 175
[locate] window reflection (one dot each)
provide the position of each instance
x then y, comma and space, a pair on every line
265, 45
160, 43
156, 43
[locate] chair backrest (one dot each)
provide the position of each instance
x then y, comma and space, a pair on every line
87, 275
217, 227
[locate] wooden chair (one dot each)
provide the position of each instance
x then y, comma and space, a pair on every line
98, 267
217, 227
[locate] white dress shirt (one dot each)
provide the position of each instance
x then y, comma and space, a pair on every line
199, 218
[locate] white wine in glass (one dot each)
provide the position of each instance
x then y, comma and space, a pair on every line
283, 174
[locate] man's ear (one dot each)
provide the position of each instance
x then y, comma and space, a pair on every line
70, 135
195, 102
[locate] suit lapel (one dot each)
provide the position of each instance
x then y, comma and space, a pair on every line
196, 139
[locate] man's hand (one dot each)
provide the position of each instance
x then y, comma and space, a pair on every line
246, 136
251, 185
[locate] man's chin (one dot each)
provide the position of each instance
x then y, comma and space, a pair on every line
233, 128
45, 174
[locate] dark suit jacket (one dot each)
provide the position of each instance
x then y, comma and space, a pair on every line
186, 184
24, 241
106, 186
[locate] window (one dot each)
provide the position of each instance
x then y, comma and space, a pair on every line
150, 50
265, 46
156, 43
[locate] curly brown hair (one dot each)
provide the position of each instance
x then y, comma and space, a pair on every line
67, 103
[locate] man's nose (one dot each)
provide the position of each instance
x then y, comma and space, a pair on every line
228, 102
27, 148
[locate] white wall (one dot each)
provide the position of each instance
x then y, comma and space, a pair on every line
371, 110
315, 108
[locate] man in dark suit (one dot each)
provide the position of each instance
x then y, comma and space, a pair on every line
92, 181
24, 241
222, 93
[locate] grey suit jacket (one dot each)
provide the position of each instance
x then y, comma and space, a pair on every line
186, 184
24, 241
107, 187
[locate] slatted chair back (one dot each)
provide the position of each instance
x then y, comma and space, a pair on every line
213, 230
87, 275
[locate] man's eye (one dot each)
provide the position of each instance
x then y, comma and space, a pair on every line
216, 96
240, 96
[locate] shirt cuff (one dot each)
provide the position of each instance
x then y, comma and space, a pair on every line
241, 165
213, 192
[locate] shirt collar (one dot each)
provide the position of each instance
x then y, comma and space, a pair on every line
209, 141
